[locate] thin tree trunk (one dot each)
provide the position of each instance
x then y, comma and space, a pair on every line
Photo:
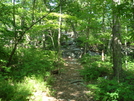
103, 31
102, 55
33, 11
59, 34
44, 41
73, 28
126, 63
52, 39
14, 29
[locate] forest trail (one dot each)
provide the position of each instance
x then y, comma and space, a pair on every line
69, 84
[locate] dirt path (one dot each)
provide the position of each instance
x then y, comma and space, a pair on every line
69, 84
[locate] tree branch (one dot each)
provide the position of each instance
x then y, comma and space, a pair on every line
23, 33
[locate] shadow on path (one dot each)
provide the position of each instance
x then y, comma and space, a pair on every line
69, 84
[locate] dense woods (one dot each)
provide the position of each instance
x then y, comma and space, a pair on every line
35, 36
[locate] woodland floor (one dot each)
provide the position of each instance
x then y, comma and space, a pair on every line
69, 85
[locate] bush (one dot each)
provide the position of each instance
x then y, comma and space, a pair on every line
107, 89
6, 90
111, 90
3, 52
24, 90
94, 69
34, 62
30, 76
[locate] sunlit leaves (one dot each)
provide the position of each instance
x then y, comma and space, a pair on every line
43, 27
132, 35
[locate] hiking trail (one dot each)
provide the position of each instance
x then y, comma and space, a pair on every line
69, 85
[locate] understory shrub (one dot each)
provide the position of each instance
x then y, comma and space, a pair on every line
31, 76
34, 61
111, 90
3, 53
6, 90
94, 67
23, 91
106, 89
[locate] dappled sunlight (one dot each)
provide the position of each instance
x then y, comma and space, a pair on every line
36, 86
73, 94
69, 85
29, 80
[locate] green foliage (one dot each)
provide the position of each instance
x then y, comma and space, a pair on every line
111, 90
3, 60
24, 90
92, 39
106, 89
94, 67
34, 61
92, 21
6, 90
3, 54
28, 79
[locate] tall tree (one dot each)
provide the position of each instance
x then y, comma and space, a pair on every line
116, 42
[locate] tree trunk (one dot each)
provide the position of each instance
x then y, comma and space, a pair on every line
59, 34
117, 56
116, 47
33, 11
103, 31
74, 30
126, 63
11, 55
102, 55
44, 41
52, 39
15, 35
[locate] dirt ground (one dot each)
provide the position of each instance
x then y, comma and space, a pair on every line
69, 85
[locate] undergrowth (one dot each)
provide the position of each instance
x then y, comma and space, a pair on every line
103, 87
29, 77
94, 67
